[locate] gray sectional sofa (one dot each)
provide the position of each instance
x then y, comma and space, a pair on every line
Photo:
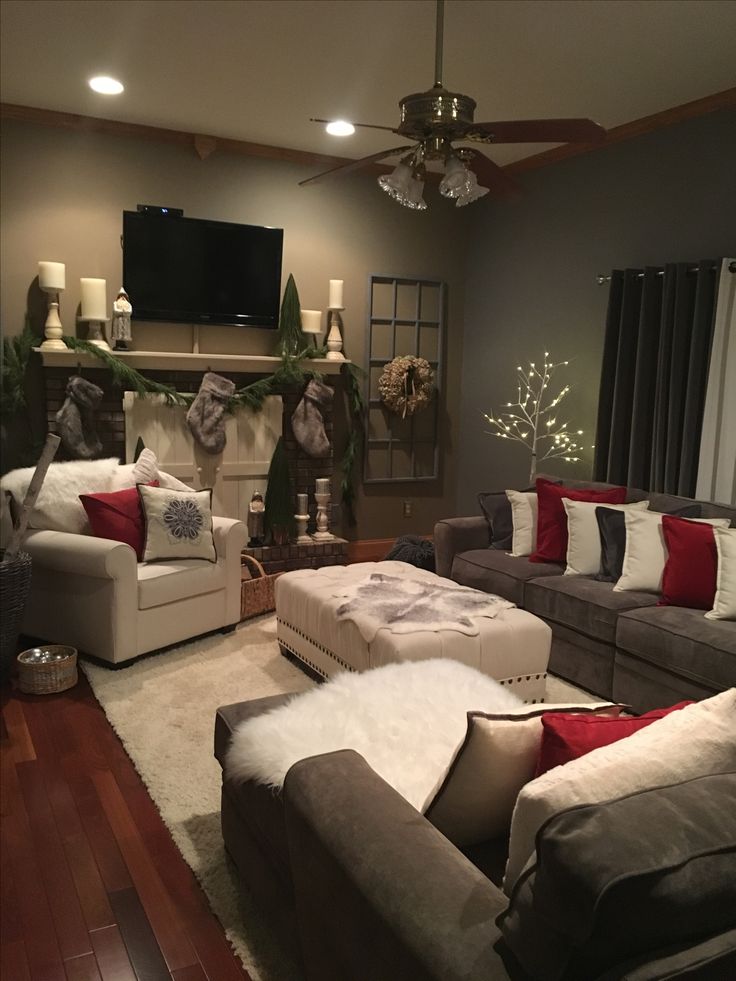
357, 885
619, 645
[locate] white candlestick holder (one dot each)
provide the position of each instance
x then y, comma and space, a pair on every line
53, 329
334, 337
96, 331
323, 534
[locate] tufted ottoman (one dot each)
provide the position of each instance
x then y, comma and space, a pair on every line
512, 647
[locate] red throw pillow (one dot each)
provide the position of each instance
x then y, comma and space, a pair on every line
552, 520
118, 516
566, 736
691, 569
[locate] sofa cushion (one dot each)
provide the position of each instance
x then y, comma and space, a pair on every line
698, 740
671, 504
496, 572
724, 602
177, 579
584, 604
567, 737
599, 894
682, 641
552, 521
475, 798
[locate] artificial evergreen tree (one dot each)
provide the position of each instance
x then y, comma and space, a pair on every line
290, 337
279, 508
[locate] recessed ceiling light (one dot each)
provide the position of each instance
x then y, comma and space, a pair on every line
106, 85
340, 128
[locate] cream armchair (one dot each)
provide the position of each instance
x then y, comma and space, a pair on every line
93, 594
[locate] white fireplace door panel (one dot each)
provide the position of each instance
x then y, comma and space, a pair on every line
234, 474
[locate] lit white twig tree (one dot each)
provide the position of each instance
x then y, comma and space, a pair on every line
532, 421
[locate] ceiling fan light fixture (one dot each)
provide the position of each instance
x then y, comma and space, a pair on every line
340, 127
472, 194
415, 196
457, 180
397, 182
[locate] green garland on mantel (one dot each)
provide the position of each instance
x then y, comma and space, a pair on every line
291, 371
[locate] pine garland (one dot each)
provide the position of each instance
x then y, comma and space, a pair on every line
291, 372
16, 353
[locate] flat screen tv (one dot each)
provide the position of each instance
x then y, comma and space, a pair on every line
188, 270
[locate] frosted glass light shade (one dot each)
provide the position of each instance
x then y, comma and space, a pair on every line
311, 321
52, 276
456, 180
414, 198
397, 182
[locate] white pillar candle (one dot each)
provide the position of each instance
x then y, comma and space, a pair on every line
52, 276
336, 294
94, 299
312, 321
302, 503
322, 485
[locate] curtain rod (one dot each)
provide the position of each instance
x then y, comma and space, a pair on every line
601, 279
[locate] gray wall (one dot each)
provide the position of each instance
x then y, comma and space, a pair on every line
667, 196
62, 198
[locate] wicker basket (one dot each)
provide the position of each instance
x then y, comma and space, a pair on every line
15, 581
256, 592
45, 678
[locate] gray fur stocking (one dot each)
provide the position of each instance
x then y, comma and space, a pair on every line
76, 418
307, 423
206, 413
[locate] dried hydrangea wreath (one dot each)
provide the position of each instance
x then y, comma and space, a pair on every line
406, 385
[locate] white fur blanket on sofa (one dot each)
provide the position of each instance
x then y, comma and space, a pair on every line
405, 719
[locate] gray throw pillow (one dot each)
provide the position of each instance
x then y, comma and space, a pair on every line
497, 510
611, 881
612, 528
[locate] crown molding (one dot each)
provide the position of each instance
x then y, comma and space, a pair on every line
204, 145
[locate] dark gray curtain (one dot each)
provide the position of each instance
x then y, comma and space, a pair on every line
659, 329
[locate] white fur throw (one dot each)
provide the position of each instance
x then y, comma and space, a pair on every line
405, 719
58, 507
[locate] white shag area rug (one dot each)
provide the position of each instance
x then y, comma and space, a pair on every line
163, 709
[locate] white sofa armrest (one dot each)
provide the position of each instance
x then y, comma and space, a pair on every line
81, 555
230, 536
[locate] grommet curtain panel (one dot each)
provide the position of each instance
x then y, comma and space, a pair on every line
656, 356
717, 467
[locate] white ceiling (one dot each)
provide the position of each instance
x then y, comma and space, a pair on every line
257, 70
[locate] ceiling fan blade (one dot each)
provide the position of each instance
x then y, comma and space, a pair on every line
388, 129
489, 173
537, 131
351, 165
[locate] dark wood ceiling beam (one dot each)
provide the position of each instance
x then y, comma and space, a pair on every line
628, 131
204, 144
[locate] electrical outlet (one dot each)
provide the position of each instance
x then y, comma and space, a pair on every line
407, 509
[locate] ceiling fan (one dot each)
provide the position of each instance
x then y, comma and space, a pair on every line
433, 121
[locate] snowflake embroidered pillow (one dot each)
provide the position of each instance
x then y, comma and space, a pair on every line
178, 524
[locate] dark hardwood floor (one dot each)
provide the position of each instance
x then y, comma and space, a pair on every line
92, 887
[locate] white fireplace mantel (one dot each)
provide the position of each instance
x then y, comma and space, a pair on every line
166, 361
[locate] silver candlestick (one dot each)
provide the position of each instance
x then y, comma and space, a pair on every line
302, 519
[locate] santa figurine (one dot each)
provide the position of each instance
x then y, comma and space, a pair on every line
121, 313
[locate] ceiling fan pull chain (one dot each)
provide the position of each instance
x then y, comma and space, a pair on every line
438, 43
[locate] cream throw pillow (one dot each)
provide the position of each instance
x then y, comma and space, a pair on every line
584, 537
178, 524
524, 519
698, 740
724, 605
499, 755
144, 471
646, 552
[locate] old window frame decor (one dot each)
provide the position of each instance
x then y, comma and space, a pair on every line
406, 318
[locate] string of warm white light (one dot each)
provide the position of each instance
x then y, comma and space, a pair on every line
528, 420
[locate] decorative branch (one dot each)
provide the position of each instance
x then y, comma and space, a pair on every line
524, 423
